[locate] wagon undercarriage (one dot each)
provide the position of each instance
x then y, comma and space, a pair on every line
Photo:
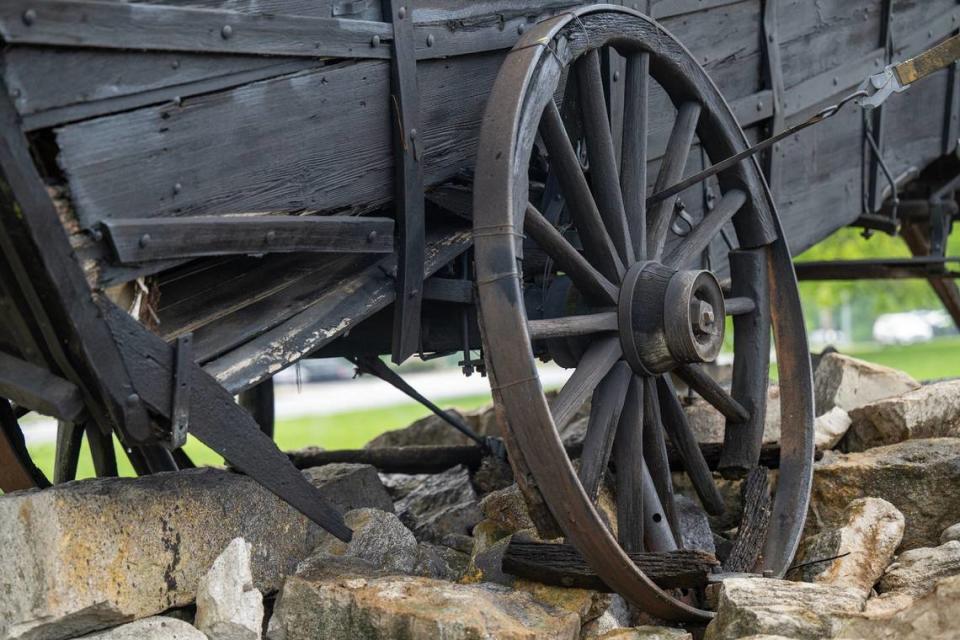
185, 212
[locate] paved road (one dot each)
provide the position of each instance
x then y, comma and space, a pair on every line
365, 392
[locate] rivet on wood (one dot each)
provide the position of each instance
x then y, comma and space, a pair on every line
616, 76
177, 188
271, 236
226, 32
175, 64
759, 105
402, 13
430, 40
29, 17
371, 236
132, 400
521, 28
144, 240
375, 41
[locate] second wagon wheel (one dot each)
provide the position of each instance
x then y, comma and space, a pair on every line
626, 300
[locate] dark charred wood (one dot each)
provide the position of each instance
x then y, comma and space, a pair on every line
561, 565
413, 459
752, 533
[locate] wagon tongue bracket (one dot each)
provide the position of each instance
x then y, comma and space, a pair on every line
669, 317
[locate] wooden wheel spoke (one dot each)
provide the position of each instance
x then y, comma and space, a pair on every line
633, 161
605, 411
685, 441
711, 391
739, 306
587, 279
597, 243
69, 439
600, 151
595, 364
655, 456
572, 325
628, 461
102, 451
704, 233
671, 170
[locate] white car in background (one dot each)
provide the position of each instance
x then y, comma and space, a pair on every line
904, 328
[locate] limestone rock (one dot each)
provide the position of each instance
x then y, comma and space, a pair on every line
615, 617
830, 428
229, 607
848, 383
490, 544
756, 606
694, 525
351, 486
918, 477
931, 617
494, 474
156, 628
872, 531
730, 491
439, 561
646, 633
916, 571
378, 537
328, 601
708, 424
88, 555
507, 509
932, 411
439, 504
950, 533
432, 430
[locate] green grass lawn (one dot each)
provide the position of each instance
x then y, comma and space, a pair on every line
938, 358
348, 430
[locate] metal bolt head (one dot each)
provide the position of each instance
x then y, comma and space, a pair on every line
175, 64
177, 188
271, 236
144, 240
29, 17
372, 236
521, 28
132, 400
703, 315
616, 76
226, 32
375, 41
402, 13
430, 40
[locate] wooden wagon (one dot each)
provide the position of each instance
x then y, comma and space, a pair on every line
197, 194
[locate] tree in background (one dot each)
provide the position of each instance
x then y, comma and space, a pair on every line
867, 299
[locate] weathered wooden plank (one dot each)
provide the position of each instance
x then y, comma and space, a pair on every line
561, 565
214, 146
752, 532
325, 315
170, 28
135, 241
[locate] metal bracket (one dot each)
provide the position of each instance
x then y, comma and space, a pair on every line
180, 408
886, 84
408, 184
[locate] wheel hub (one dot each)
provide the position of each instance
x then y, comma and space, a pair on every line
669, 317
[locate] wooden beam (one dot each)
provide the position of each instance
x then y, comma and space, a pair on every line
562, 565
36, 388
141, 240
153, 27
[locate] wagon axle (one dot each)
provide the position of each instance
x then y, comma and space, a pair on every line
669, 317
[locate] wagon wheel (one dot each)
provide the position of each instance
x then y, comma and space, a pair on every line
631, 305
